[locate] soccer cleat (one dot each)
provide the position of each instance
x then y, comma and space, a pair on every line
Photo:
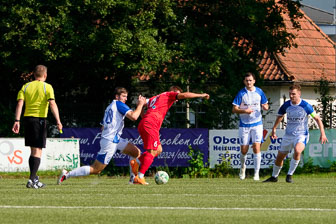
289, 179
134, 166
62, 177
271, 179
138, 180
256, 176
38, 183
30, 184
242, 172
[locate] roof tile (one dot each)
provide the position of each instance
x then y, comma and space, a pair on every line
313, 58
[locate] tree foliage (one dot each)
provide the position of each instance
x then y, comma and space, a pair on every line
90, 47
327, 107
218, 41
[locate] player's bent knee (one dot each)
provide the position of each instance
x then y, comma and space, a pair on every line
131, 150
138, 153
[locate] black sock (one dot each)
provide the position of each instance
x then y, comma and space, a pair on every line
34, 164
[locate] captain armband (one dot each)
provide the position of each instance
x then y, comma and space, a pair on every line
313, 114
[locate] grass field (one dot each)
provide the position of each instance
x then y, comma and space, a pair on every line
311, 199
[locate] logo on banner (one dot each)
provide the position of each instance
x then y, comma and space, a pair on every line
13, 156
268, 143
225, 145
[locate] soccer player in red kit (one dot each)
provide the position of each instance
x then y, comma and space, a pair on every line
149, 126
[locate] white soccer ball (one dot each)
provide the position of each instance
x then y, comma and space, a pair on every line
161, 177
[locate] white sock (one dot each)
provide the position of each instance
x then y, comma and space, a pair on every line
141, 175
242, 159
292, 167
257, 160
80, 171
276, 170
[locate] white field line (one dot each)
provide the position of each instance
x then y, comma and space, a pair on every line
251, 195
227, 195
167, 208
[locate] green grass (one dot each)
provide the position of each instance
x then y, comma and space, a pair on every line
311, 199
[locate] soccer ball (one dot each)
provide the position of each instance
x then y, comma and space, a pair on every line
161, 177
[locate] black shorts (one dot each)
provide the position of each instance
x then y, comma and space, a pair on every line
35, 132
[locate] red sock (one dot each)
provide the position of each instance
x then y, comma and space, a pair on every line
146, 160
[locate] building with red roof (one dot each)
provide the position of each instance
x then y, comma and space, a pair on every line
312, 60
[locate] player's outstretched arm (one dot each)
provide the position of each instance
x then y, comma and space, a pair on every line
134, 115
190, 95
323, 137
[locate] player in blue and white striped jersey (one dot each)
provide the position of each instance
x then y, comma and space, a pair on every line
297, 133
248, 104
110, 142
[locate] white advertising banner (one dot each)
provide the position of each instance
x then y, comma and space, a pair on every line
224, 145
59, 153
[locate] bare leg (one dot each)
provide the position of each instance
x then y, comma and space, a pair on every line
131, 150
97, 167
299, 147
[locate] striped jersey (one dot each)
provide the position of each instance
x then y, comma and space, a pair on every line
250, 99
113, 121
297, 117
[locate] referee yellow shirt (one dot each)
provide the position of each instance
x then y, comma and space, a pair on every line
36, 95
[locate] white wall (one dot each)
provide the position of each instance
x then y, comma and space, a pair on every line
273, 95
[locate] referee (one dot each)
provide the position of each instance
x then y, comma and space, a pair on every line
37, 96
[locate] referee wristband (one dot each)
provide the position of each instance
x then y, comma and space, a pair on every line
17, 120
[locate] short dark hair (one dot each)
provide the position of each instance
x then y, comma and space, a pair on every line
175, 88
295, 86
40, 70
250, 74
119, 90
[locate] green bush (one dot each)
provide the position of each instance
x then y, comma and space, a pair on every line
197, 168
333, 167
223, 169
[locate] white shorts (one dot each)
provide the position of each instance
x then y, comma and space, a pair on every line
289, 142
250, 135
108, 148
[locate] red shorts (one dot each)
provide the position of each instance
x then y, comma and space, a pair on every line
149, 134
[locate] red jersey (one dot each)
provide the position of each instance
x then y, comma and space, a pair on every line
158, 106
